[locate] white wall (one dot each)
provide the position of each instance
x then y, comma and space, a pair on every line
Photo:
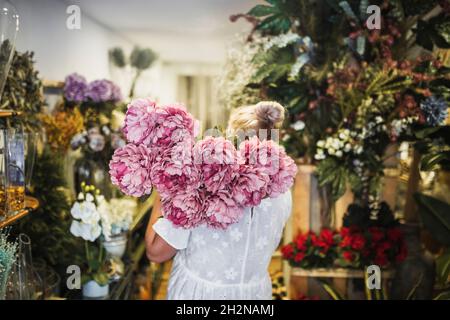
60, 51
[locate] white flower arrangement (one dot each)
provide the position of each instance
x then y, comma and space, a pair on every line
342, 143
94, 216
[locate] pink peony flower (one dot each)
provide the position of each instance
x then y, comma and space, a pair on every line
221, 210
184, 209
216, 159
173, 171
250, 187
130, 170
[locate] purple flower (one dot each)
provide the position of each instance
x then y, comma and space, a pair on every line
103, 90
116, 94
75, 88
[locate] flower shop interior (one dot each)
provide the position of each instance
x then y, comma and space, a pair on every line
365, 86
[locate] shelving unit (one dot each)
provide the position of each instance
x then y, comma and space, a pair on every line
30, 205
30, 202
5, 113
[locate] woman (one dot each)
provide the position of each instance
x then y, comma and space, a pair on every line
213, 264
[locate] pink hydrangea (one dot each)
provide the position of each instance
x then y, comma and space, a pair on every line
140, 120
269, 158
264, 155
130, 169
216, 159
184, 209
158, 127
250, 186
173, 171
221, 210
284, 178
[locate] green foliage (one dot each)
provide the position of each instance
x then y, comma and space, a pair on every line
23, 89
275, 16
49, 225
142, 59
117, 57
435, 215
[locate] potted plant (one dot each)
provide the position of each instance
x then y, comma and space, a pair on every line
90, 214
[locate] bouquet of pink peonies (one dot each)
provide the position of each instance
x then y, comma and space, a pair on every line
205, 182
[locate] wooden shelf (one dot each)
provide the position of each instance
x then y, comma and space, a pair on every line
5, 113
336, 273
30, 205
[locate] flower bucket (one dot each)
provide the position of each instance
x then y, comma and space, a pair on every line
117, 245
92, 290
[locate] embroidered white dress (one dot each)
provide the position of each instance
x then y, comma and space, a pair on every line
227, 264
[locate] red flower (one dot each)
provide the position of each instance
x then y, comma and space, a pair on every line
327, 236
348, 255
376, 234
300, 242
394, 234
346, 242
345, 231
287, 251
358, 242
402, 254
381, 259
299, 257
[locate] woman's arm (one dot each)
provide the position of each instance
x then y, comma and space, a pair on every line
158, 250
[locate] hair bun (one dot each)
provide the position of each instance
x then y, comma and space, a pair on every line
269, 112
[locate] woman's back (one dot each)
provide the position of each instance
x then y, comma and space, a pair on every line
231, 263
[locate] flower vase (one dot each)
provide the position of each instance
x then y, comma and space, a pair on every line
24, 283
92, 290
115, 248
116, 245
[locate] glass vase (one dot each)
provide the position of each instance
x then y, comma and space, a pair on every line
25, 283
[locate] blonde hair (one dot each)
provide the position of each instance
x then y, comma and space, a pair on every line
263, 115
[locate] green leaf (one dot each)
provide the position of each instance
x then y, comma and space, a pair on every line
423, 35
443, 296
101, 278
262, 11
443, 267
432, 161
334, 294
435, 215
422, 134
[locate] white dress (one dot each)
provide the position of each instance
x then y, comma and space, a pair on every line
229, 264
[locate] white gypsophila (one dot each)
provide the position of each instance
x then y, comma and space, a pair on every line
282, 40
89, 232
239, 69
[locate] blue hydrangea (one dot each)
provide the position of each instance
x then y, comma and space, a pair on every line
434, 110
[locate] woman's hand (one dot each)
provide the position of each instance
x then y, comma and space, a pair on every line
158, 250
